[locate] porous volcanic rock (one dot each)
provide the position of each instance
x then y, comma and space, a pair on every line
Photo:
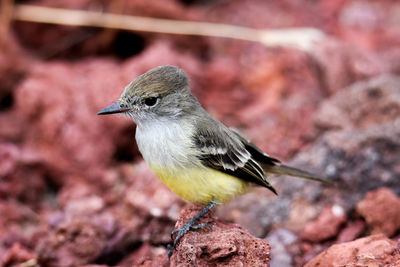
381, 210
376, 250
325, 226
224, 245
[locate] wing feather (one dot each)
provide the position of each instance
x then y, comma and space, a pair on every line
223, 150
256, 153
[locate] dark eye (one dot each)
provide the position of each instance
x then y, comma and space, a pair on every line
150, 101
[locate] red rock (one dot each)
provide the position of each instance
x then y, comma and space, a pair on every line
146, 210
284, 95
17, 223
375, 250
222, 93
368, 24
325, 226
19, 255
74, 243
381, 93
309, 251
351, 231
381, 210
8, 158
75, 188
342, 64
135, 209
224, 245
16, 164
146, 256
63, 124
356, 148
301, 213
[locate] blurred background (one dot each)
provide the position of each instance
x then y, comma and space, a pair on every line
73, 188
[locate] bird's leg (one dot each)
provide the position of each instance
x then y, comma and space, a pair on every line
191, 224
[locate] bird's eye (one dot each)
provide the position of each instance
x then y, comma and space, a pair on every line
150, 101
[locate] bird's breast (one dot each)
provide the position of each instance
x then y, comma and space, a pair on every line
166, 144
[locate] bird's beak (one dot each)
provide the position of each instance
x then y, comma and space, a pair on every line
114, 108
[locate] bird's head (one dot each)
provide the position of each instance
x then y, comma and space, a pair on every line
159, 93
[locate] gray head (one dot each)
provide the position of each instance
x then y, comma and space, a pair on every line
159, 93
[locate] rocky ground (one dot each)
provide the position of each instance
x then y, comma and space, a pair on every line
75, 192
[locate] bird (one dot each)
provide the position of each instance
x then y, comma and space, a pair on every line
195, 155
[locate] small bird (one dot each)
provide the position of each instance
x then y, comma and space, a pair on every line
195, 155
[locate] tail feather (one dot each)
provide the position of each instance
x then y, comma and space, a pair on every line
281, 169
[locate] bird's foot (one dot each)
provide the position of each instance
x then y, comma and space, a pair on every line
190, 225
181, 231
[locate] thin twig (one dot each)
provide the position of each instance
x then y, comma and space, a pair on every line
301, 38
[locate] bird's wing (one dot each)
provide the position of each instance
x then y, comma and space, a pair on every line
272, 165
256, 153
222, 150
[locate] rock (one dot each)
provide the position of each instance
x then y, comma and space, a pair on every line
301, 212
284, 93
18, 255
342, 64
351, 109
375, 250
224, 245
16, 164
222, 94
63, 124
283, 245
77, 242
351, 231
257, 219
135, 209
325, 226
146, 210
359, 157
146, 256
381, 210
308, 251
18, 223
359, 21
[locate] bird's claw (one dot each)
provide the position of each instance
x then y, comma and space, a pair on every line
181, 231
170, 249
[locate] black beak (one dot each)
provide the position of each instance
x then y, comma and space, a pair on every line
114, 108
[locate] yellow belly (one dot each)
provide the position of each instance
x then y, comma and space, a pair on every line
201, 185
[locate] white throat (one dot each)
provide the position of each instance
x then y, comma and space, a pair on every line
166, 143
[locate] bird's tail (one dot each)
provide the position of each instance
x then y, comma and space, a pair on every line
281, 169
